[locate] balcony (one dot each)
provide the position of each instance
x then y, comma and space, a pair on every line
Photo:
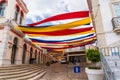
116, 24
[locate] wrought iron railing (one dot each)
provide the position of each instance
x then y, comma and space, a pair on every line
116, 22
109, 75
109, 58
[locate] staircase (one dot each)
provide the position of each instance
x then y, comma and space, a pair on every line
110, 58
22, 72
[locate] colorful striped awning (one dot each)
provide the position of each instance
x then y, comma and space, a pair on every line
70, 15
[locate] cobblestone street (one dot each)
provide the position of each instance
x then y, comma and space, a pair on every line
59, 71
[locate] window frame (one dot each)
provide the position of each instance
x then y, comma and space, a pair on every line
2, 8
17, 9
114, 11
21, 17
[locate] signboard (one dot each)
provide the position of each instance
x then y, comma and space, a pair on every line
76, 69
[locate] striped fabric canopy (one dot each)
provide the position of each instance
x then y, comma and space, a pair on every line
57, 27
62, 36
65, 40
75, 34
60, 32
67, 43
70, 15
72, 46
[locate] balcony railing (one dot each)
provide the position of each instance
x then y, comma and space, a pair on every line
116, 24
110, 58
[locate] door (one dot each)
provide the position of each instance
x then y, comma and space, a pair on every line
24, 53
14, 50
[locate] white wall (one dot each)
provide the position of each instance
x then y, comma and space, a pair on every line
106, 13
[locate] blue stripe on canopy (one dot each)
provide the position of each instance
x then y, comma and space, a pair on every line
53, 41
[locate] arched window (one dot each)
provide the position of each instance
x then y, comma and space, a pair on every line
2, 7
16, 13
21, 17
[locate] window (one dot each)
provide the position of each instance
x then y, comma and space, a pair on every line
116, 19
116, 7
21, 16
16, 13
2, 8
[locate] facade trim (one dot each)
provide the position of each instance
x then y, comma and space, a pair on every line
5, 1
23, 6
16, 33
1, 28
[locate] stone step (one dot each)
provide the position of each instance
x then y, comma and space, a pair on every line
11, 66
18, 69
38, 76
17, 72
112, 57
14, 70
19, 75
14, 67
34, 76
22, 72
113, 60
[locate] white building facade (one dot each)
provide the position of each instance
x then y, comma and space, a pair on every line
105, 14
14, 48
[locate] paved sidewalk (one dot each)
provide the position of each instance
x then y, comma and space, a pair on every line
59, 71
77, 76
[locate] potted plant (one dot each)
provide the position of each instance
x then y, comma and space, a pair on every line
94, 71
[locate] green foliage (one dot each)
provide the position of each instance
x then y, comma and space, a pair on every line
93, 55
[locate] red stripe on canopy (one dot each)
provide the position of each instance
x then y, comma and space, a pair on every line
70, 15
61, 32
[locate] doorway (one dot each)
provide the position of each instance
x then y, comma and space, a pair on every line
24, 53
14, 50
31, 59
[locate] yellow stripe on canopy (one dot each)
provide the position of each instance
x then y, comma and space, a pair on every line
57, 27
80, 33
44, 44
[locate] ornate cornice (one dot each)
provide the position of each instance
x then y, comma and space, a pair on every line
22, 5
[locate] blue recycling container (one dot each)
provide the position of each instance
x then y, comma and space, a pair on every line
76, 69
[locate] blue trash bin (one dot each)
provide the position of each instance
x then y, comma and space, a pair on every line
76, 69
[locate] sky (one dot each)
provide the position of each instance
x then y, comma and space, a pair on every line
41, 9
